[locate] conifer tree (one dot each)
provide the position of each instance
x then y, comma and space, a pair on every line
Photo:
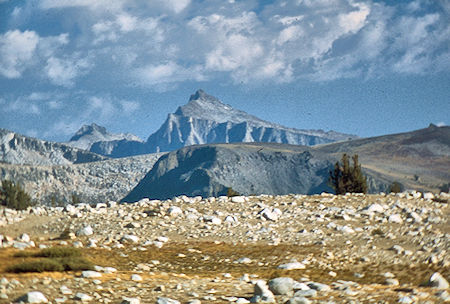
345, 178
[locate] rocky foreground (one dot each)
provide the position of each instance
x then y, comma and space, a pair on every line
276, 249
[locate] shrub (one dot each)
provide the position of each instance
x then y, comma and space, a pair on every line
76, 263
14, 196
345, 178
37, 266
445, 188
58, 252
396, 187
52, 259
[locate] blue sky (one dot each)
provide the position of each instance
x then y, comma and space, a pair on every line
362, 67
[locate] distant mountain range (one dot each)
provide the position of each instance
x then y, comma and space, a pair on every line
216, 147
50, 171
204, 119
418, 160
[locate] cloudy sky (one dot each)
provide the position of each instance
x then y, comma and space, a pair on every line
363, 67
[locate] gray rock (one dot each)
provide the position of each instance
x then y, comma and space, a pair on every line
405, 300
395, 218
291, 266
261, 293
282, 286
306, 293
438, 281
166, 301
33, 297
126, 300
238, 199
319, 286
90, 274
136, 278
79, 296
85, 231
298, 300
392, 282
129, 238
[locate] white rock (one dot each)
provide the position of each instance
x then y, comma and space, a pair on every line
112, 204
24, 238
375, 208
392, 282
129, 238
34, 297
395, 218
166, 301
270, 215
238, 199
261, 293
174, 211
292, 266
90, 274
126, 300
319, 286
438, 281
346, 229
85, 231
282, 286
405, 300
242, 301
428, 196
65, 290
244, 260
136, 278
306, 293
298, 300
82, 297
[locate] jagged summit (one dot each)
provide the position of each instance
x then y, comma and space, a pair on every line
88, 135
89, 130
204, 106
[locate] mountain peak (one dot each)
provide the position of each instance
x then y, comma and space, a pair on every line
89, 130
202, 95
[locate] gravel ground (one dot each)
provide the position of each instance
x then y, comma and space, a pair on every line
335, 249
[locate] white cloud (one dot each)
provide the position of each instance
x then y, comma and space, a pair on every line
129, 107
22, 105
162, 43
290, 33
97, 5
161, 76
354, 21
16, 52
63, 71
237, 51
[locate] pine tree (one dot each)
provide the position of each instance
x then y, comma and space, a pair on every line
345, 178
14, 196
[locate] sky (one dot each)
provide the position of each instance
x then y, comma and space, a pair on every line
367, 68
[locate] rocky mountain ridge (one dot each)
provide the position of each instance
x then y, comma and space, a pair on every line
88, 135
91, 182
418, 160
19, 149
204, 119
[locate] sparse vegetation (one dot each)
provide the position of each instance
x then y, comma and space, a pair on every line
445, 188
231, 192
348, 179
396, 187
14, 196
52, 259
75, 200
37, 266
